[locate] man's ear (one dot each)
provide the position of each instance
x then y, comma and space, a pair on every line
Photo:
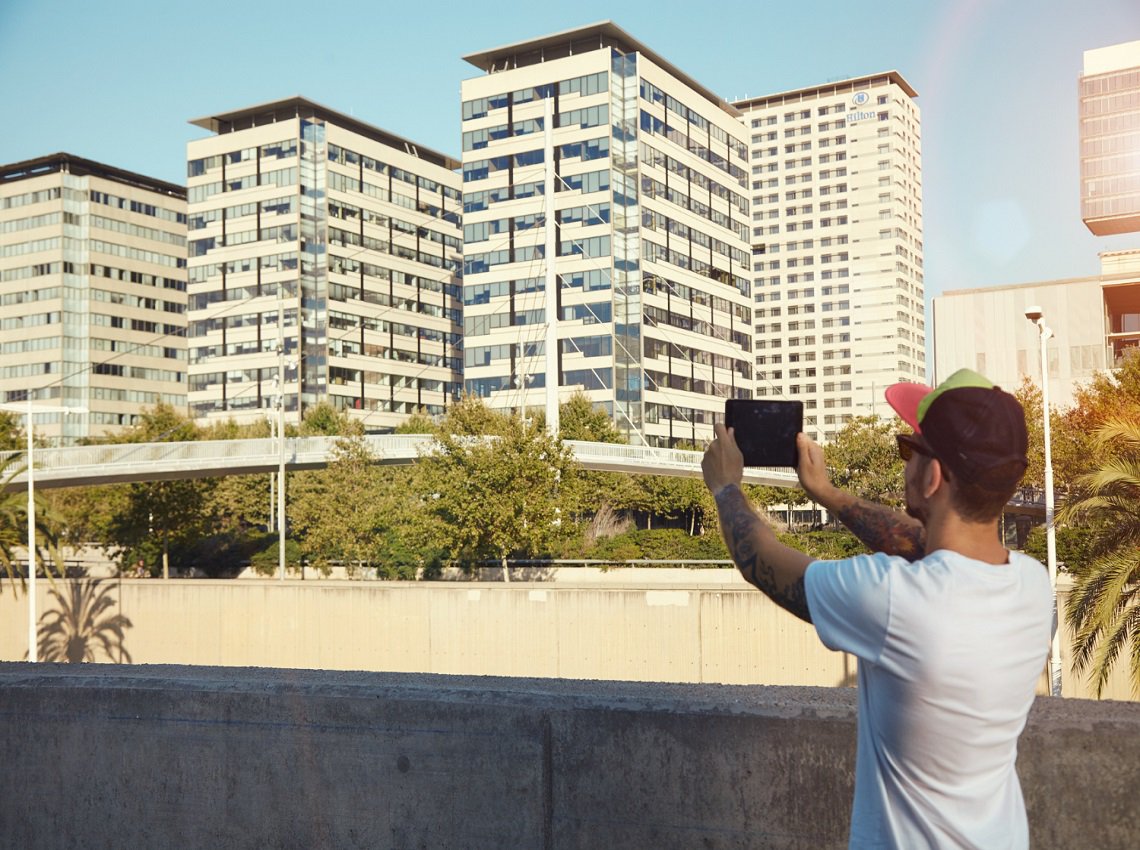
933, 478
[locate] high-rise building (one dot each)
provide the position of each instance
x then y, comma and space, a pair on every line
92, 292
605, 235
1110, 139
352, 235
836, 230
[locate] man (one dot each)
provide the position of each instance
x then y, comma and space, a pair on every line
951, 630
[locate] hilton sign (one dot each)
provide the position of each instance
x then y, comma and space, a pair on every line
860, 98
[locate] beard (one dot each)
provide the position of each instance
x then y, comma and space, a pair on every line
915, 505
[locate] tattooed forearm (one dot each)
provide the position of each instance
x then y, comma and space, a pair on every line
882, 529
747, 536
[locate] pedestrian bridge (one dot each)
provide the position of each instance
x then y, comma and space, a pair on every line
109, 464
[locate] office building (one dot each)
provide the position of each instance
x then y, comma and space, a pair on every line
1110, 139
1095, 322
92, 293
605, 235
836, 232
352, 235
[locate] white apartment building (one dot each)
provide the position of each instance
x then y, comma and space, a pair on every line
352, 235
605, 235
1110, 139
1095, 322
92, 293
836, 230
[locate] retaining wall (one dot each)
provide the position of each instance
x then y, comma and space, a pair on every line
698, 626
199, 757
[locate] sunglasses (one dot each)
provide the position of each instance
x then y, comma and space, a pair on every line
909, 446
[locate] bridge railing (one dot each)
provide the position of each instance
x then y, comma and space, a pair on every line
78, 465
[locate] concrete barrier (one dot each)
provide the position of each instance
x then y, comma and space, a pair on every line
200, 757
629, 625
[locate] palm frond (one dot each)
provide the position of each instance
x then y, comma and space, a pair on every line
1121, 430
1104, 612
1116, 472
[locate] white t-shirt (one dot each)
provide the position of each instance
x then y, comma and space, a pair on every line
950, 651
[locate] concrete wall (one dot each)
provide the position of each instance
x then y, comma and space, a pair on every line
198, 757
618, 630
633, 625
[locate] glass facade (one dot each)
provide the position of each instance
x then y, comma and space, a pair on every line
1110, 140
92, 293
360, 233
629, 387
314, 263
643, 234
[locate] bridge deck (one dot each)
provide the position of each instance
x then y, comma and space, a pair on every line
122, 462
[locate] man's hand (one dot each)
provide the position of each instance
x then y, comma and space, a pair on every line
723, 464
812, 471
881, 529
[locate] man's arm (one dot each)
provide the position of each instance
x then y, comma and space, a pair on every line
881, 529
763, 560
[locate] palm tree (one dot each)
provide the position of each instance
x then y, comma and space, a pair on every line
14, 521
1104, 607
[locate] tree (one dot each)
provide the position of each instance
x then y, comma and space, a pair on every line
159, 517
338, 512
494, 483
240, 504
14, 522
1069, 443
1111, 395
85, 513
865, 461
322, 419
11, 435
417, 423
1104, 607
161, 424
578, 419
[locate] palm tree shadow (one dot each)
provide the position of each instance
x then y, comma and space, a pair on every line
82, 627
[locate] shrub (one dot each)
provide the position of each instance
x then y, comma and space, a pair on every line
266, 561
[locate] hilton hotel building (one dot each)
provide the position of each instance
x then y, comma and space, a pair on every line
836, 241
606, 235
336, 238
92, 293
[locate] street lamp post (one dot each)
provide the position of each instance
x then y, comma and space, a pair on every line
30, 411
1036, 315
281, 431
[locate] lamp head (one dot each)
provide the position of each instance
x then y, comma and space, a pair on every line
1034, 313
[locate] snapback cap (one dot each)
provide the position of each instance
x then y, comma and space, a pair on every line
972, 426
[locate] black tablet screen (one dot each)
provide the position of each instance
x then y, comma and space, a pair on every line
766, 430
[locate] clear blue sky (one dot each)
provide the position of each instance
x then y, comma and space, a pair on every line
117, 81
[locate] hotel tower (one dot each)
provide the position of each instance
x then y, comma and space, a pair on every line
836, 231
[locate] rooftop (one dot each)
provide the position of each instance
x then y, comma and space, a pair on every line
67, 163
584, 39
828, 89
299, 107
1115, 57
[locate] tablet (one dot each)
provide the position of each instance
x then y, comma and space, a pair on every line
765, 430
